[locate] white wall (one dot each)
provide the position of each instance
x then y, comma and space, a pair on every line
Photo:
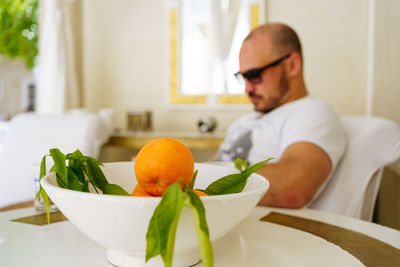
124, 60
334, 38
13, 78
386, 83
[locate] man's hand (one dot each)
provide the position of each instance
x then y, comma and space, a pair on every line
296, 177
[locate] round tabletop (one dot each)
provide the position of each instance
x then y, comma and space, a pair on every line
267, 237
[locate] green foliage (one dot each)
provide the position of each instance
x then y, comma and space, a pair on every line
203, 233
76, 175
19, 30
161, 232
234, 183
160, 236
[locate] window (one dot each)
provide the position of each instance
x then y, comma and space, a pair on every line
204, 43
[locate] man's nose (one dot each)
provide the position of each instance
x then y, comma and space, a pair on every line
249, 87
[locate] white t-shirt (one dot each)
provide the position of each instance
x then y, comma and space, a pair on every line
258, 136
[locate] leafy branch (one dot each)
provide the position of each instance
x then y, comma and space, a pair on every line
160, 236
76, 175
234, 183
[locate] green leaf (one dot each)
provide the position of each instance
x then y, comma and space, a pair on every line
77, 154
53, 169
60, 182
42, 167
256, 167
193, 180
161, 232
240, 164
95, 174
75, 163
85, 186
46, 201
93, 160
113, 189
41, 192
73, 181
77, 167
233, 183
203, 235
42, 173
60, 166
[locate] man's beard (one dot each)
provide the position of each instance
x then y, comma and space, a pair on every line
277, 101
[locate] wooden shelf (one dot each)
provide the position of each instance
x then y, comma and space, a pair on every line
193, 140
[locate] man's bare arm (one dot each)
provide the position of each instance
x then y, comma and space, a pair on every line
296, 177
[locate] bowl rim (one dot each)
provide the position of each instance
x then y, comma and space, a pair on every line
47, 185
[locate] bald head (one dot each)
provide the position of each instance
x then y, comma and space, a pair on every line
270, 61
281, 37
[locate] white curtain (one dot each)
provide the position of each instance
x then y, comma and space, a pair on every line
224, 16
57, 85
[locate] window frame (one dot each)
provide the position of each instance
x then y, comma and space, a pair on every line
178, 100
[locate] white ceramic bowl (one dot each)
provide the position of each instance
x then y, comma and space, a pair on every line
119, 223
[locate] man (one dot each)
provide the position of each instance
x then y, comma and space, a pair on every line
304, 135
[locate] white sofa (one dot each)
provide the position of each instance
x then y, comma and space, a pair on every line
29, 137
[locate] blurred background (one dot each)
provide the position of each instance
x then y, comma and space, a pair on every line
151, 68
119, 56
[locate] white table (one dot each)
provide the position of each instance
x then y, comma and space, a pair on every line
251, 243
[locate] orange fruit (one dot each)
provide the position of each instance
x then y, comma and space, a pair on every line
140, 192
161, 162
199, 193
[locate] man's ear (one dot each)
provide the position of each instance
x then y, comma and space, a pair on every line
295, 65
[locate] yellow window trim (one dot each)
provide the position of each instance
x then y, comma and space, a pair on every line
254, 16
175, 97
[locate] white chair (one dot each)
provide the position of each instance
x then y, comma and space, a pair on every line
372, 144
30, 136
3, 128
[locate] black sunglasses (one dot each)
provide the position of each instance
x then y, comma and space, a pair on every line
254, 75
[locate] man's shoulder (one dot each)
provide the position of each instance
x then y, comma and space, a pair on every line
309, 106
313, 115
309, 101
